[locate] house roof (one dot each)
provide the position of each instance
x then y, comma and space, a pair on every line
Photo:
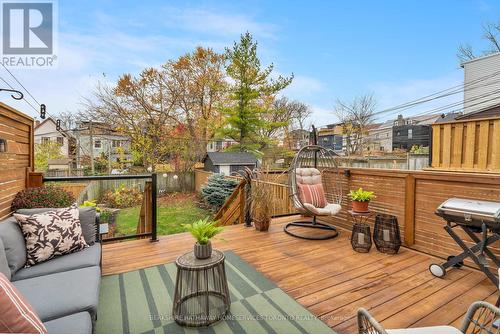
231, 158
495, 54
49, 119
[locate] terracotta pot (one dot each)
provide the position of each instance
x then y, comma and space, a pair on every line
203, 251
360, 206
261, 225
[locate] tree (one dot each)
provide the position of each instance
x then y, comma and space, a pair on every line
44, 152
251, 95
197, 82
355, 117
139, 107
217, 190
491, 32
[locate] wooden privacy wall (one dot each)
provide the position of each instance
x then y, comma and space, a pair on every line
413, 197
17, 129
472, 145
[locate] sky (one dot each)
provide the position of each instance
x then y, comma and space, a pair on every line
396, 50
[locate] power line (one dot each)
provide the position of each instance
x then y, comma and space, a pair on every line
8, 84
19, 82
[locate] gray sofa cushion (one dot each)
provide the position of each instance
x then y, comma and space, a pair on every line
58, 295
87, 257
4, 265
87, 219
14, 244
79, 323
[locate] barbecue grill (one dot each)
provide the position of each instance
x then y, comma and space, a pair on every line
475, 218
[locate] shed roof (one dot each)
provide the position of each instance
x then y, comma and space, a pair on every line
231, 158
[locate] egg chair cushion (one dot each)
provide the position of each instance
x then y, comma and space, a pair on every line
312, 194
329, 210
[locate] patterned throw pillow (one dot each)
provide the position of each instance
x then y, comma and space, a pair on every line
51, 234
17, 315
312, 194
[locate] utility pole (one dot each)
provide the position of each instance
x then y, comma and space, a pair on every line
91, 130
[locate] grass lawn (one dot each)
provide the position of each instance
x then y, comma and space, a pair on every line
173, 211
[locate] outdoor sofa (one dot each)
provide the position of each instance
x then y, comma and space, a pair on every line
63, 291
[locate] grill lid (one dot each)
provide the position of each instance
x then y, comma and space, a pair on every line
483, 208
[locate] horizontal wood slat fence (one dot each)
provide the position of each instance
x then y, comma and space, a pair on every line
472, 145
16, 134
412, 196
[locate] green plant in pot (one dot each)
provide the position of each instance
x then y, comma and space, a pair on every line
203, 230
360, 199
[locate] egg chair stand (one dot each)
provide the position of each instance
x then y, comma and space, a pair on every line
315, 165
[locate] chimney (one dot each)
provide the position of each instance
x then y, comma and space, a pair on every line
37, 122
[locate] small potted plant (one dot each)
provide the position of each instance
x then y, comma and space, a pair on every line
203, 230
360, 199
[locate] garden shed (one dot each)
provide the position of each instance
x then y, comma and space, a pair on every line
228, 163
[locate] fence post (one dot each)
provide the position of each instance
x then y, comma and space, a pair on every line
154, 236
410, 188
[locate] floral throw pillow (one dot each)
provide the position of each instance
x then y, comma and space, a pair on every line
51, 234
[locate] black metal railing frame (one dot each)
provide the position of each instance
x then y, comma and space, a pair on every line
153, 177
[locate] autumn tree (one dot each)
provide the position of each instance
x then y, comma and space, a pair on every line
139, 107
355, 117
252, 91
491, 33
197, 83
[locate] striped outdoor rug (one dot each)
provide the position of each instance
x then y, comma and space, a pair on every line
141, 302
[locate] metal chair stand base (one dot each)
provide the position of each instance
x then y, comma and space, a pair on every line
331, 231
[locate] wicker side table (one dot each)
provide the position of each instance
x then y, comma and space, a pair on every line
201, 295
361, 240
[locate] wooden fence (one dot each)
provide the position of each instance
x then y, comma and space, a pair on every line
469, 145
16, 154
412, 196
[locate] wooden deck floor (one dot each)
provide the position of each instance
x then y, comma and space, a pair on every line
329, 278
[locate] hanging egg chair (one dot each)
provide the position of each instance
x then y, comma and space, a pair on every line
316, 189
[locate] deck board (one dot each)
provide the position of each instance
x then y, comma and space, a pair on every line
329, 278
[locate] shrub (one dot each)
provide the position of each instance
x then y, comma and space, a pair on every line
42, 197
203, 230
217, 190
122, 198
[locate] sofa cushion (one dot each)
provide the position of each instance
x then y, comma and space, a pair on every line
78, 323
14, 244
51, 234
58, 295
4, 265
87, 220
87, 257
17, 315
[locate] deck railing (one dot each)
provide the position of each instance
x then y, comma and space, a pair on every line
147, 220
412, 196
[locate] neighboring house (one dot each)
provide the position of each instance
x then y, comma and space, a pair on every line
59, 164
410, 131
46, 131
379, 137
481, 83
218, 145
228, 163
105, 140
296, 139
331, 137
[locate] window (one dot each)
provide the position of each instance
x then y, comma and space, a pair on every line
45, 140
381, 148
410, 133
60, 141
117, 143
97, 144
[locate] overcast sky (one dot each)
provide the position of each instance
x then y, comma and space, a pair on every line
397, 50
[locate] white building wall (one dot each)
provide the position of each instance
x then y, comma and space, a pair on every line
48, 130
481, 93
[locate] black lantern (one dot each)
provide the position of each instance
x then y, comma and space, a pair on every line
361, 240
386, 234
